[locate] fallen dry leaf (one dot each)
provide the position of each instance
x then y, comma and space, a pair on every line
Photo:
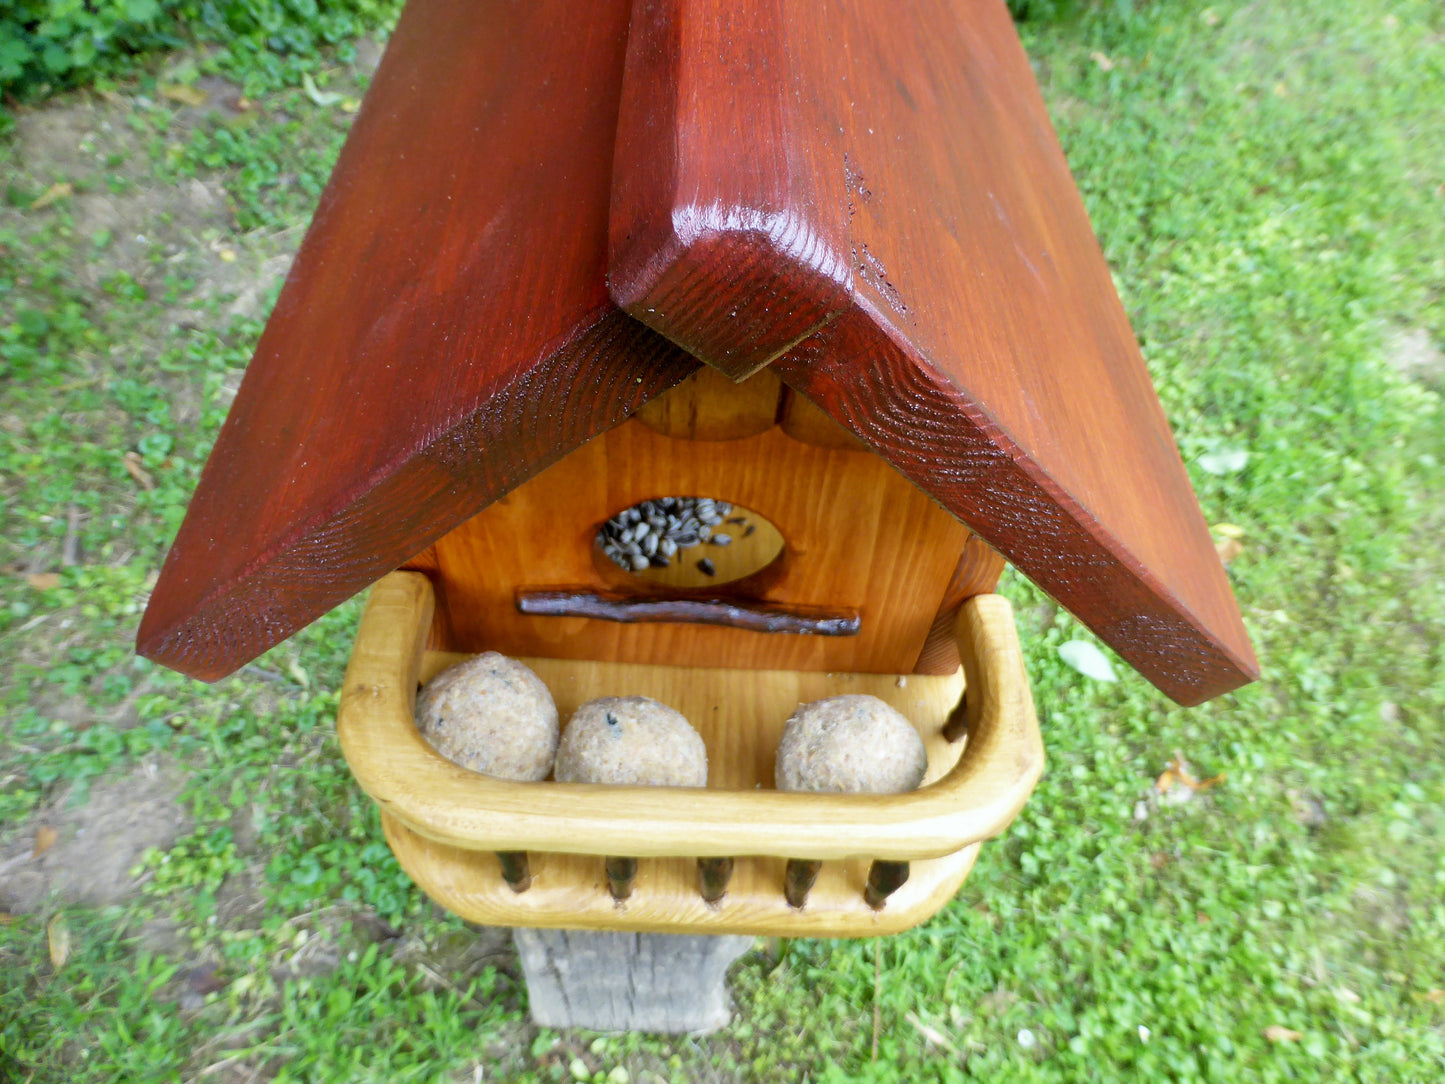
1178, 772
136, 471
1228, 549
1105, 64
1277, 1034
1435, 996
43, 581
186, 95
57, 933
54, 194
45, 837
932, 1035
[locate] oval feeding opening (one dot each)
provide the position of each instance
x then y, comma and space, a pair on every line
689, 542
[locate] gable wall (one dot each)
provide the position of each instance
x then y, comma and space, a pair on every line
858, 535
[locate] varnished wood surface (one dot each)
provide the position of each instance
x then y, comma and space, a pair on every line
968, 794
857, 537
710, 406
977, 573
736, 254
981, 347
570, 891
444, 333
801, 420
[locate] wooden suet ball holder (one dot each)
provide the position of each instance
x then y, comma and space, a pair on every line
823, 261
445, 823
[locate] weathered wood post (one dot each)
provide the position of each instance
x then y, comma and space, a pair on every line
609, 980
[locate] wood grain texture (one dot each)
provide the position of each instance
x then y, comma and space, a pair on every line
736, 254
627, 982
857, 536
740, 715
982, 349
967, 795
710, 406
977, 573
444, 333
801, 420
569, 891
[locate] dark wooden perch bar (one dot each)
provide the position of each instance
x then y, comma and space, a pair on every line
732, 613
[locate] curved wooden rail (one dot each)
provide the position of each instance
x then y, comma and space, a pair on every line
976, 799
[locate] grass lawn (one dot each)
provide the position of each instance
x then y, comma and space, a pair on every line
213, 902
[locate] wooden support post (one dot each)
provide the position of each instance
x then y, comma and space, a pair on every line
612, 981
713, 875
515, 870
884, 879
798, 880
957, 725
621, 872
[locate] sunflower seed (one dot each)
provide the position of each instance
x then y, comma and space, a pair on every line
706, 567
720, 540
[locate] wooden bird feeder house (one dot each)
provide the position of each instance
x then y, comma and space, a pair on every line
808, 274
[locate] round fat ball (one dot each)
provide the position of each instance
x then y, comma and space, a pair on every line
492, 715
850, 744
631, 739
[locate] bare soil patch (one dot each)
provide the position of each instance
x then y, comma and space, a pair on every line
95, 844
